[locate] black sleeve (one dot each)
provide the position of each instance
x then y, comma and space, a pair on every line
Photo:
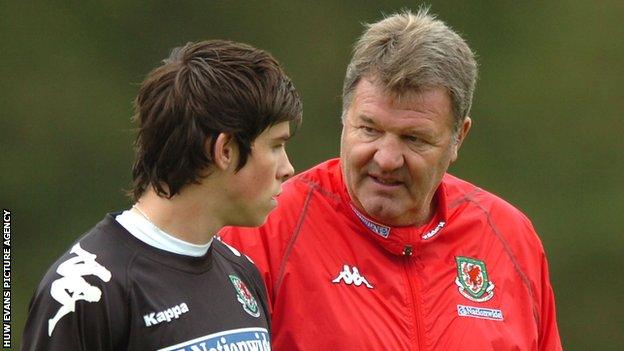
78, 306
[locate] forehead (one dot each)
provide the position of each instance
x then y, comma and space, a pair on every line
431, 106
279, 130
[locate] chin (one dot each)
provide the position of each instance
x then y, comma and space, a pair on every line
248, 220
382, 211
258, 220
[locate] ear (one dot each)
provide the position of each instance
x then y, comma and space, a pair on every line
225, 152
460, 136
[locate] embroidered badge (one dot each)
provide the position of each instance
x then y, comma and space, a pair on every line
478, 312
472, 279
379, 229
244, 296
433, 232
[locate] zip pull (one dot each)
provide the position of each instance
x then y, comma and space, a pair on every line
407, 250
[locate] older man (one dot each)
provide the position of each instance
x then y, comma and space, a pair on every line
382, 249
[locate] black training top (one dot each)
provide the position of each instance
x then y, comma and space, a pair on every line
111, 291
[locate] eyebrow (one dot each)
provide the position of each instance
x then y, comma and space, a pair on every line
410, 131
283, 137
368, 119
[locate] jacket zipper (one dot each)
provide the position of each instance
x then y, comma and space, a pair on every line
415, 292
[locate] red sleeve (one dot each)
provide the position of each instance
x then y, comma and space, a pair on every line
549, 333
527, 248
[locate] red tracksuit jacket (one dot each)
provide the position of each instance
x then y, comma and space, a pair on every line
474, 278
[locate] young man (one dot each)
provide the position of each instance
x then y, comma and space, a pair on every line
213, 120
382, 249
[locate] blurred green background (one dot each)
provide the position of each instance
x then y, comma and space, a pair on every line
548, 132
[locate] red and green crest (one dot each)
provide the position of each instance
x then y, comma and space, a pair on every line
472, 279
244, 296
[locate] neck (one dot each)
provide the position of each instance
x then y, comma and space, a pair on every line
183, 216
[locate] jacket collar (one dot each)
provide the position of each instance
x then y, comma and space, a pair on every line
405, 240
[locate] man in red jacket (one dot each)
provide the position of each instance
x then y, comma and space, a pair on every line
382, 249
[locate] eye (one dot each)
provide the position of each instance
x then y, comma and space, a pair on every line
369, 131
412, 139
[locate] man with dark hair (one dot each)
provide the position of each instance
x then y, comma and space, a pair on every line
382, 249
213, 121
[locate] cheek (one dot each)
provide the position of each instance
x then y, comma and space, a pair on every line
359, 155
421, 170
262, 179
253, 190
253, 180
265, 175
445, 160
426, 171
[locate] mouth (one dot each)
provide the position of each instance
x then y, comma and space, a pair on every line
273, 202
386, 182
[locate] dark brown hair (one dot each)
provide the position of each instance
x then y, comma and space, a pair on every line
201, 90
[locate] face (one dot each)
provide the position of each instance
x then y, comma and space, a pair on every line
394, 151
255, 186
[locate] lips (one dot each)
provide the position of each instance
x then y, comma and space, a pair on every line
276, 195
386, 181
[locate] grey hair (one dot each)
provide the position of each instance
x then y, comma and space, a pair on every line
411, 53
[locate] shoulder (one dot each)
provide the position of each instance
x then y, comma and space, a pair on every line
237, 261
232, 255
498, 226
94, 264
461, 192
325, 177
322, 182
240, 264
503, 218
102, 249
84, 287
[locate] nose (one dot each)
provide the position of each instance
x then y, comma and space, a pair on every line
286, 169
388, 155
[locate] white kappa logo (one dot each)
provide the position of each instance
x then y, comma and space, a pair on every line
351, 276
72, 286
167, 315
